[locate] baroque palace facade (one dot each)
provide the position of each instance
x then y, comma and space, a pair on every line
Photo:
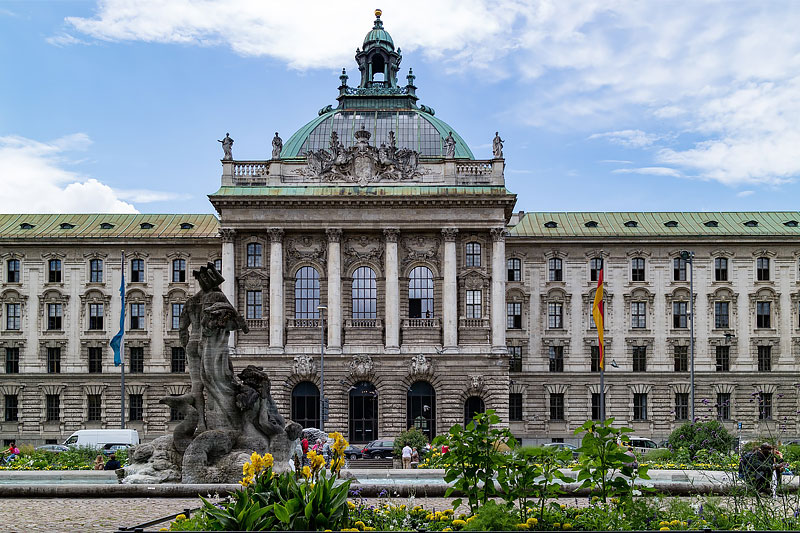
375, 232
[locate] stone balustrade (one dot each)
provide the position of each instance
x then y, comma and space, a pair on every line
473, 323
257, 323
363, 323
303, 322
421, 323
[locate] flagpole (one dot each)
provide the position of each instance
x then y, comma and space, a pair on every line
122, 350
602, 363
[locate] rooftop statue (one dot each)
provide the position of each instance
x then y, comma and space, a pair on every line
226, 417
227, 147
449, 146
277, 146
497, 146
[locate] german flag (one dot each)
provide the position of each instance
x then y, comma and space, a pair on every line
597, 313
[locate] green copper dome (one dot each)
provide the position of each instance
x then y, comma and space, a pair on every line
377, 35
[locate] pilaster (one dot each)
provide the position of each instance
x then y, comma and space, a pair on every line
450, 307
276, 299
392, 291
498, 290
334, 290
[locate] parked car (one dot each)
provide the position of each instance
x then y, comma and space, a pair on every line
54, 448
564, 446
353, 452
97, 438
378, 449
110, 448
641, 444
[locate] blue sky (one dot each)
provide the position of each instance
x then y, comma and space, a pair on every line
604, 105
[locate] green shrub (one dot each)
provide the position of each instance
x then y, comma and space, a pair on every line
696, 436
493, 517
658, 455
413, 437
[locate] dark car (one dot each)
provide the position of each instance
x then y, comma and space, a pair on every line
110, 448
353, 452
379, 449
55, 448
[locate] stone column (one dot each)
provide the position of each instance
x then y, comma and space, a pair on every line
498, 290
229, 271
450, 303
392, 318
334, 290
276, 300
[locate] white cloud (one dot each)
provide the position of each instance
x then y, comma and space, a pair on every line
616, 161
744, 194
628, 138
33, 179
144, 196
64, 39
655, 171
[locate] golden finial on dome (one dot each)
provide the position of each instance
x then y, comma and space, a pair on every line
378, 13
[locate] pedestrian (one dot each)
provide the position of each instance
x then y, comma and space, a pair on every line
326, 452
112, 463
304, 444
98, 463
12, 452
406, 456
414, 458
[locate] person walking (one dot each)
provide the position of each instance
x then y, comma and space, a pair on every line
414, 458
406, 456
304, 444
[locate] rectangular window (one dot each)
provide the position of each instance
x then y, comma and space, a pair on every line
136, 362
52, 407
95, 406
762, 269
680, 315
178, 359
96, 316
11, 408
722, 315
763, 315
474, 304
681, 354
136, 411
254, 304
721, 269
723, 406
12, 360
137, 271
556, 358
515, 406
513, 315
54, 271
179, 270
96, 271
557, 406
174, 414
764, 358
681, 406
595, 266
13, 271
53, 360
514, 267
765, 406
555, 315
254, 252
637, 269
95, 360
596, 403
473, 254
13, 316
177, 309
594, 357
679, 269
54, 312
640, 406
515, 363
640, 358
638, 315
218, 268
723, 358
137, 316
555, 270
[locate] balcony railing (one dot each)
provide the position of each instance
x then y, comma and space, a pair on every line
473, 323
302, 322
428, 323
363, 323
250, 173
257, 323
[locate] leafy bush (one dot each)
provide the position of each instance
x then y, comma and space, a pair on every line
658, 454
413, 437
492, 517
531, 473
696, 436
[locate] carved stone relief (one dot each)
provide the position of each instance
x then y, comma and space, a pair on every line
303, 365
361, 366
306, 248
420, 248
421, 365
362, 248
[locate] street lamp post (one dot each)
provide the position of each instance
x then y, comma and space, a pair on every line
689, 258
322, 310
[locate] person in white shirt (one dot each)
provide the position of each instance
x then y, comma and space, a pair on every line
406, 456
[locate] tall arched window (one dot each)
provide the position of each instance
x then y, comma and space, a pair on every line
365, 293
420, 293
363, 412
473, 406
305, 404
421, 408
306, 293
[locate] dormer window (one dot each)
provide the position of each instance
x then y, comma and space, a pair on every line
671, 224
186, 225
751, 223
550, 224
591, 224
146, 225
711, 224
26, 225
66, 225
631, 224
106, 225
790, 223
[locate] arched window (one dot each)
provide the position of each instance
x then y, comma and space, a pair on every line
420, 293
473, 254
306, 293
305, 404
365, 294
421, 408
473, 406
363, 412
254, 251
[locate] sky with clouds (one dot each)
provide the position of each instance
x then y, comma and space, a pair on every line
616, 105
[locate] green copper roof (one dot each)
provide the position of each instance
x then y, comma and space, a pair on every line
377, 35
388, 190
107, 226
659, 224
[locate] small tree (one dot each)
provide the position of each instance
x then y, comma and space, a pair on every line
696, 436
413, 437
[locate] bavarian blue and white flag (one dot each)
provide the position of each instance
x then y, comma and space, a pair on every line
116, 342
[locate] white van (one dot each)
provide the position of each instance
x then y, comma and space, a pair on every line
98, 438
641, 444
